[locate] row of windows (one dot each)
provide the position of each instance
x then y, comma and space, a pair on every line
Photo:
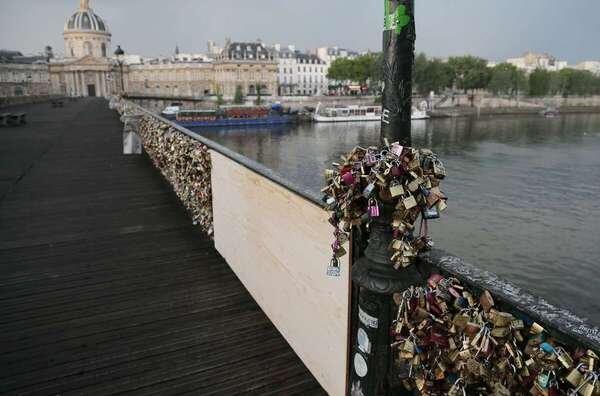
318, 79
303, 69
23, 77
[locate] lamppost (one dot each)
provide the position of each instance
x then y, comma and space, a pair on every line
120, 54
374, 275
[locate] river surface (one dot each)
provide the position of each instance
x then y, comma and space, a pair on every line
524, 192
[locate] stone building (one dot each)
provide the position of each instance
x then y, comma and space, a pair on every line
169, 78
87, 69
531, 61
300, 74
250, 66
22, 75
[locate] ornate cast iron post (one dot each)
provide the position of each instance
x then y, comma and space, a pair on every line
374, 277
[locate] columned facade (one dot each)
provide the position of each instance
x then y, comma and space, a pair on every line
86, 68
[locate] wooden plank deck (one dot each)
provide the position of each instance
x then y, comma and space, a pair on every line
105, 286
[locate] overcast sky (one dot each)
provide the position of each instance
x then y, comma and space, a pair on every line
494, 29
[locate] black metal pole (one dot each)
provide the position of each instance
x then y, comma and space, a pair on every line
398, 59
374, 274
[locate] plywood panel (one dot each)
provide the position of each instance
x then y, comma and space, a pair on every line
278, 244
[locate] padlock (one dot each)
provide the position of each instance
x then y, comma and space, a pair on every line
564, 358
486, 301
409, 202
348, 179
396, 189
536, 328
431, 213
414, 185
438, 169
575, 376
333, 270
373, 208
368, 191
396, 149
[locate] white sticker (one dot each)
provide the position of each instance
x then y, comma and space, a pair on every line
367, 319
363, 341
360, 365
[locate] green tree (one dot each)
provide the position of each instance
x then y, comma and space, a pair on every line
438, 76
540, 82
469, 72
340, 70
576, 82
420, 70
507, 79
239, 96
258, 100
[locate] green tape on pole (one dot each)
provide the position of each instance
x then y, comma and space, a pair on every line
395, 20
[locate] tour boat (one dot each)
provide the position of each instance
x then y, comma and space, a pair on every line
347, 113
233, 116
170, 112
358, 113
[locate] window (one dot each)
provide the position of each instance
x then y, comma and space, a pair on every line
103, 50
87, 48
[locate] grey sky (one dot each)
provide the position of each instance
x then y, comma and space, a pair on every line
494, 29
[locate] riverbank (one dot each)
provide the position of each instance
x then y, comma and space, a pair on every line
467, 111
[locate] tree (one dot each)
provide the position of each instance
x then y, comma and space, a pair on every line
437, 77
220, 100
469, 72
239, 96
507, 79
539, 82
340, 70
258, 100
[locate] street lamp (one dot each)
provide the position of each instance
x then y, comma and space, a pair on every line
120, 54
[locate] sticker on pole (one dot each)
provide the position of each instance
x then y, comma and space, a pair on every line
360, 365
397, 19
367, 319
364, 344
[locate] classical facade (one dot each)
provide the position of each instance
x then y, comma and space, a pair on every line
23, 76
301, 74
171, 79
249, 66
87, 69
531, 61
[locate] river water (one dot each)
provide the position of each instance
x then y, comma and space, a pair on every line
524, 192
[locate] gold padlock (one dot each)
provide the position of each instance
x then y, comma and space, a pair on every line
564, 358
575, 377
536, 328
396, 189
586, 389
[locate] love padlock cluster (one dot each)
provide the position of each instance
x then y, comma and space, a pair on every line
449, 342
405, 179
185, 163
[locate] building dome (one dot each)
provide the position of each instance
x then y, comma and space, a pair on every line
86, 34
86, 20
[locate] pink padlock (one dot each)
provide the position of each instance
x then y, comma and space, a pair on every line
434, 279
348, 178
373, 208
396, 149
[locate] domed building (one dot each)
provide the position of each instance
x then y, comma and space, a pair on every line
86, 69
86, 34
